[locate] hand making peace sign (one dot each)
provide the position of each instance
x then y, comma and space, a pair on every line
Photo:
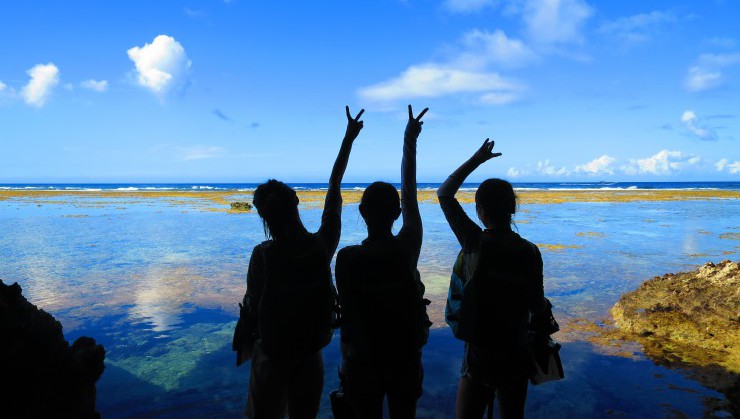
354, 125
413, 128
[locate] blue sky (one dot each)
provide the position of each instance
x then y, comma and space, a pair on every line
245, 90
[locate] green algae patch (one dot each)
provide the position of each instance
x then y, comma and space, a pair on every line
165, 365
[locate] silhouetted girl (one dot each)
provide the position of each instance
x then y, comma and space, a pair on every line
290, 297
496, 284
384, 321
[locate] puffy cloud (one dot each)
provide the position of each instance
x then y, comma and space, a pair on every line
601, 165
97, 86
545, 168
3, 87
467, 6
466, 71
514, 172
555, 21
161, 66
707, 74
481, 48
431, 80
44, 77
692, 123
700, 79
723, 164
665, 162
637, 28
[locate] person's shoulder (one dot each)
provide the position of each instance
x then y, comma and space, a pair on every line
261, 247
349, 252
529, 246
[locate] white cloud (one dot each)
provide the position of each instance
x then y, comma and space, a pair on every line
692, 123
201, 152
482, 48
467, 6
601, 165
161, 66
665, 162
3, 87
555, 21
545, 168
707, 74
700, 79
723, 164
44, 77
466, 71
514, 172
431, 80
98, 86
637, 28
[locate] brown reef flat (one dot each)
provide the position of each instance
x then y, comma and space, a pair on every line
220, 200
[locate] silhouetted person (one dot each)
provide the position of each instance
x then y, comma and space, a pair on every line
384, 321
491, 314
290, 297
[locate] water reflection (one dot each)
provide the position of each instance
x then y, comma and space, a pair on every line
159, 288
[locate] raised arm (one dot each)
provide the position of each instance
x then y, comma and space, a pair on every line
412, 228
331, 219
460, 223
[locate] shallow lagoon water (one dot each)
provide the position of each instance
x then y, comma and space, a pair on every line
158, 285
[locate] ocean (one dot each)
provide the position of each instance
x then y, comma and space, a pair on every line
157, 282
355, 186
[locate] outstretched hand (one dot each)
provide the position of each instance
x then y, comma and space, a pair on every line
485, 152
354, 125
413, 128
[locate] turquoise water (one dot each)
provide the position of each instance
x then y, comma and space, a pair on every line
158, 285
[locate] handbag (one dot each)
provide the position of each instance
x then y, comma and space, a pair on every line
546, 364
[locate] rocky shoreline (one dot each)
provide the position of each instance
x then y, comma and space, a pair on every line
44, 377
690, 321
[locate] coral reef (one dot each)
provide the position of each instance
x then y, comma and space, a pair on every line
42, 376
241, 206
691, 321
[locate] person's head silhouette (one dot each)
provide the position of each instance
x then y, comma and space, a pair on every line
277, 205
380, 206
495, 203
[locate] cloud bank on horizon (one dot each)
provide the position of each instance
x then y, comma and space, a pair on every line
593, 90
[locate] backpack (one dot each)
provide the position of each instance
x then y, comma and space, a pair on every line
296, 309
384, 311
490, 309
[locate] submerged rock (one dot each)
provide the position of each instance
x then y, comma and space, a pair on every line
241, 206
691, 321
42, 376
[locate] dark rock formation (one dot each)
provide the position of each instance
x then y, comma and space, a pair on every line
690, 321
41, 375
241, 206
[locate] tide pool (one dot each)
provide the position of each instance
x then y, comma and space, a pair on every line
157, 283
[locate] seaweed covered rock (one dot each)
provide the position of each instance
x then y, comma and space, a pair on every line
42, 376
690, 320
241, 206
